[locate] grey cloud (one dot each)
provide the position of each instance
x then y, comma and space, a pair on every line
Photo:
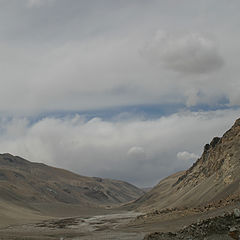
233, 88
80, 55
189, 54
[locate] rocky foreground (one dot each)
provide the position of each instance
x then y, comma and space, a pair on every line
226, 226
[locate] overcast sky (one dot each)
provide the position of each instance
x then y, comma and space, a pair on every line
128, 89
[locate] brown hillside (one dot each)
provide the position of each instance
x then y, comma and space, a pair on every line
22, 181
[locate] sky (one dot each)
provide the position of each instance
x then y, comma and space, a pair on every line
128, 89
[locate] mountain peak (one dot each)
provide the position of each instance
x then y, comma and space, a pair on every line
237, 123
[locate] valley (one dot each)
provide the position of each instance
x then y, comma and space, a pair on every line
119, 120
203, 202
115, 224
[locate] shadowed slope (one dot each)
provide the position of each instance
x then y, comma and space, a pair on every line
21, 180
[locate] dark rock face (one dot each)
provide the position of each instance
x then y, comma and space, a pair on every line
206, 147
214, 141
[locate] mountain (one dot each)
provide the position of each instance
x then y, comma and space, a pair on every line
214, 176
28, 189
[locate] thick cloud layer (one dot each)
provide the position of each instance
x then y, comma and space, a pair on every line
80, 55
140, 151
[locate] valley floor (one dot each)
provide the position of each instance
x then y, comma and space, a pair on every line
115, 224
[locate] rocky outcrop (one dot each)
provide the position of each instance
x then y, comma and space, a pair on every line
225, 226
221, 159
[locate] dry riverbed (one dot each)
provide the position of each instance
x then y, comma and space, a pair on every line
109, 226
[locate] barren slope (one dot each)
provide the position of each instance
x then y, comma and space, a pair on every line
26, 183
214, 176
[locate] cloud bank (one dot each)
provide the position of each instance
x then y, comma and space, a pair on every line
140, 151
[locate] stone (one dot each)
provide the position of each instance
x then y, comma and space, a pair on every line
232, 229
236, 213
214, 141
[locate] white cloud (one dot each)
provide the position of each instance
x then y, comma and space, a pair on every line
189, 54
141, 151
137, 153
186, 156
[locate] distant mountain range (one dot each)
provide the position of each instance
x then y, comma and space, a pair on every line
21, 180
28, 188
